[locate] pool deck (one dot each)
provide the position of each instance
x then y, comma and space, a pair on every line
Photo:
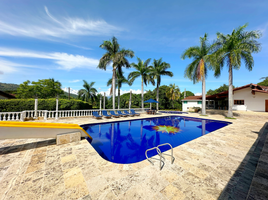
230, 163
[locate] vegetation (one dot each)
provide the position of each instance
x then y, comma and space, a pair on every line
8, 87
264, 82
120, 80
16, 105
43, 89
222, 88
157, 70
116, 56
231, 50
143, 70
173, 93
88, 93
197, 69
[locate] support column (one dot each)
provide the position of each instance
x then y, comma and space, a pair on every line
130, 96
35, 107
57, 107
104, 101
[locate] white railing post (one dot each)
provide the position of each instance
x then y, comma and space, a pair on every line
57, 107
35, 107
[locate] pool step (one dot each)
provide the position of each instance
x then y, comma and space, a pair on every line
159, 152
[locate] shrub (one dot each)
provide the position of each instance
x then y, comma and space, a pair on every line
16, 105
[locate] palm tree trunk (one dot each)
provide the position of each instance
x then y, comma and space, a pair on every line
230, 93
157, 95
118, 97
203, 96
173, 104
142, 105
114, 71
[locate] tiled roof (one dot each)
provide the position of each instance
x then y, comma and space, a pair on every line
192, 98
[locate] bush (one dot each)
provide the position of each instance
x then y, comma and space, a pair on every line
197, 109
16, 105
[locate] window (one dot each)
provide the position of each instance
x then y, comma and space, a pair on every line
239, 102
185, 102
199, 102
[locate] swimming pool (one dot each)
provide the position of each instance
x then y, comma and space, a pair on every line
126, 141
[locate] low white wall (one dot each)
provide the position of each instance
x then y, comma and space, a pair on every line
185, 107
251, 102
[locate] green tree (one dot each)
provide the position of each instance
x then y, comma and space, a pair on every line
121, 79
43, 89
25, 91
159, 69
197, 69
88, 93
116, 56
222, 88
264, 82
173, 93
231, 50
143, 70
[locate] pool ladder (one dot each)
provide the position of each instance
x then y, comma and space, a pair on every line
162, 158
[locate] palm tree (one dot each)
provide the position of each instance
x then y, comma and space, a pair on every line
114, 54
143, 70
157, 70
197, 69
231, 49
120, 80
173, 93
88, 93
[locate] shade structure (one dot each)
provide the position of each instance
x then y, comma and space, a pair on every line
151, 101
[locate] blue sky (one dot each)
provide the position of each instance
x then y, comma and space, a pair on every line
61, 39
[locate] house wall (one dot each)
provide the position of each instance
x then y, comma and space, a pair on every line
252, 102
185, 107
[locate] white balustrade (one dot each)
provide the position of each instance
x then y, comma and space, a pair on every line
13, 116
10, 116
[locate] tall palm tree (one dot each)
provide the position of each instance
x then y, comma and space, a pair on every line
157, 70
114, 54
173, 93
88, 93
143, 70
197, 69
231, 49
121, 79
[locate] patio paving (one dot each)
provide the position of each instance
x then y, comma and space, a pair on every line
209, 167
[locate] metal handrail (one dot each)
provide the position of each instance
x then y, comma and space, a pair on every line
171, 155
159, 153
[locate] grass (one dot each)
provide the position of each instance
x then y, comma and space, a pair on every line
203, 115
230, 118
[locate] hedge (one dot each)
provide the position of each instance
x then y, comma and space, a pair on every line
16, 105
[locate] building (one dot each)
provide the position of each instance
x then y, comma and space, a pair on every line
4, 95
249, 97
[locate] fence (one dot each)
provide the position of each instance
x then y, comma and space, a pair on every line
32, 114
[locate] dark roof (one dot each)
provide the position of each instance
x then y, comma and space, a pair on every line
9, 96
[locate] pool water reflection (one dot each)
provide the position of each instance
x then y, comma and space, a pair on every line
126, 141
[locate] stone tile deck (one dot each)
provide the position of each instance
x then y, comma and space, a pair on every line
205, 168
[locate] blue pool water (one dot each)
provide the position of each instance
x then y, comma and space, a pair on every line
126, 141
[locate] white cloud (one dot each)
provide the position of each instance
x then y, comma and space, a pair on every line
197, 94
65, 61
72, 91
107, 92
74, 81
49, 26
